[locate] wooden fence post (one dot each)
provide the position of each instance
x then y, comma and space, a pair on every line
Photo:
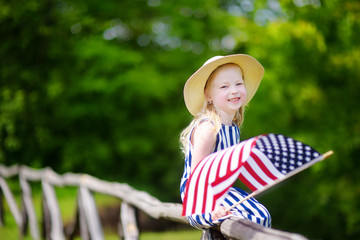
53, 220
128, 222
46, 222
84, 230
11, 202
92, 218
29, 208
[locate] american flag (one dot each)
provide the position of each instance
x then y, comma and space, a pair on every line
257, 162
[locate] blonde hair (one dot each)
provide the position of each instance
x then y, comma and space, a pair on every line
209, 113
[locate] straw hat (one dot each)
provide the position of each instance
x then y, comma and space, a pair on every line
194, 87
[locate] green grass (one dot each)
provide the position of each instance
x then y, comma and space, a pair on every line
173, 235
170, 235
67, 198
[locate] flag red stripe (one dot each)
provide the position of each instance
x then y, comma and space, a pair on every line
185, 198
228, 168
246, 182
196, 186
254, 174
218, 169
206, 185
263, 166
217, 196
226, 176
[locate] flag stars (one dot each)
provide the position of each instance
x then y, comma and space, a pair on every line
285, 153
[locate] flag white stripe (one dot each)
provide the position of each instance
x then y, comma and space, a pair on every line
250, 178
209, 199
247, 149
259, 171
216, 165
218, 188
192, 199
202, 185
224, 162
269, 165
235, 164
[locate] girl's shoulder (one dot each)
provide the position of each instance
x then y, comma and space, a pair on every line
205, 129
206, 121
206, 126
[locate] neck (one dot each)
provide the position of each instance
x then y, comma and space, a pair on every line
227, 119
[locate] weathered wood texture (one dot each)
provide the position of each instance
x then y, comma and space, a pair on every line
87, 220
128, 222
28, 209
4, 188
245, 230
52, 216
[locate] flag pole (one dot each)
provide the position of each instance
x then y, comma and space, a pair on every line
290, 174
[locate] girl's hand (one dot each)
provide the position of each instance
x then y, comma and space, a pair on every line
219, 213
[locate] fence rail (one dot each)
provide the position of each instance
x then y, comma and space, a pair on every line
87, 218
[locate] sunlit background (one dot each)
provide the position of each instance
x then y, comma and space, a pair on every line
96, 87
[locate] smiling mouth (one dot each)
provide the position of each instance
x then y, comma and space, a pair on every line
234, 99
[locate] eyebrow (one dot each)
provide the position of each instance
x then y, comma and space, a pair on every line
227, 81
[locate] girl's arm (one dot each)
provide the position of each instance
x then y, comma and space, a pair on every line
203, 141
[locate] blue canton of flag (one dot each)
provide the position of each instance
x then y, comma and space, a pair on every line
285, 153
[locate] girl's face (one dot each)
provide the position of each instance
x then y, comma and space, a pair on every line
226, 90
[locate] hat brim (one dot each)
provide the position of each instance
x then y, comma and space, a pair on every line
252, 70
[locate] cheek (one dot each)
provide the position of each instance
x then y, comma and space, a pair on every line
223, 95
243, 92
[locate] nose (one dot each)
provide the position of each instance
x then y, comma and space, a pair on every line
234, 90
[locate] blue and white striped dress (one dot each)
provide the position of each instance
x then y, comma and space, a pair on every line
250, 209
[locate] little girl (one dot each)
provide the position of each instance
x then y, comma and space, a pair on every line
216, 95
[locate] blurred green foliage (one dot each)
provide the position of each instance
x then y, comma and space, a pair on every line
96, 86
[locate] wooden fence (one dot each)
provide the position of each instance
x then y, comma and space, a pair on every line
87, 220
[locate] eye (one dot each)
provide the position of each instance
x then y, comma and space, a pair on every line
239, 84
224, 86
